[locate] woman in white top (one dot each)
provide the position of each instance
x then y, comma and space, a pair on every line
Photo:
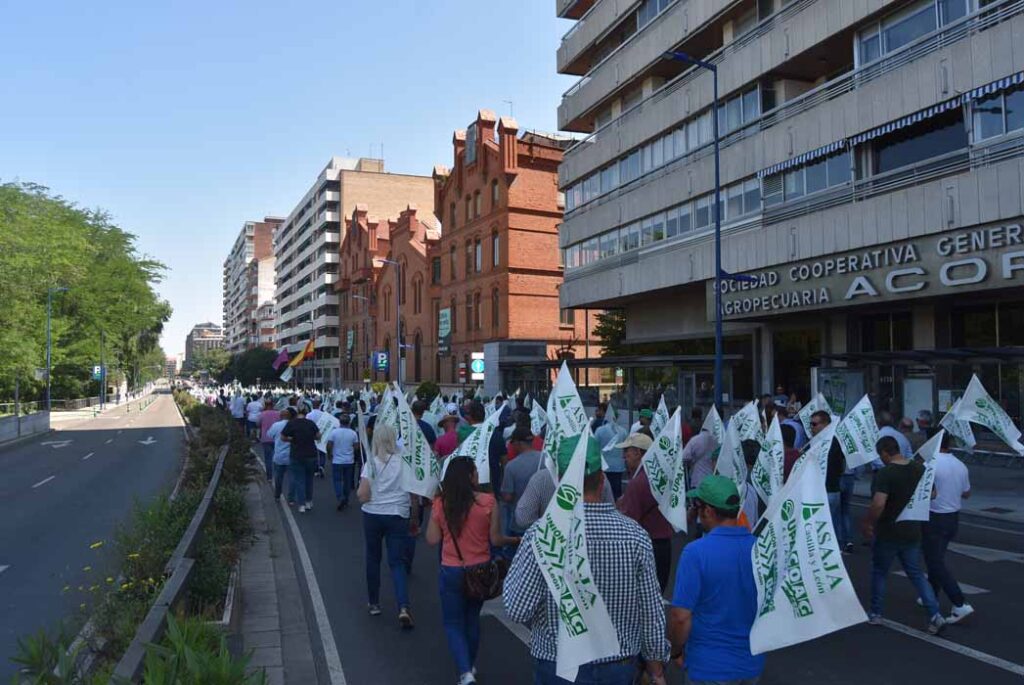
386, 519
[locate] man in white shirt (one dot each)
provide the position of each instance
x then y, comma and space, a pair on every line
238, 410
252, 416
952, 486
887, 429
341, 444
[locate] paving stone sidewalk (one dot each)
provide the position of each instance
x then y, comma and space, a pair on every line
273, 622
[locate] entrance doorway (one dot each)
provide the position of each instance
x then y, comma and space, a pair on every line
794, 350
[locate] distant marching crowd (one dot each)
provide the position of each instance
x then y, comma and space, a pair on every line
714, 599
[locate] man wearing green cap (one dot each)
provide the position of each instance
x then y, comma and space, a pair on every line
715, 598
646, 416
622, 563
541, 488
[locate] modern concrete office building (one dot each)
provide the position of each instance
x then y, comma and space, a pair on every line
248, 283
871, 175
202, 338
306, 250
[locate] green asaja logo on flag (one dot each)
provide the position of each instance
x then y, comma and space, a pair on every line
810, 509
567, 497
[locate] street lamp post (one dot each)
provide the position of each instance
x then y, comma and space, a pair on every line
373, 319
683, 57
49, 341
398, 318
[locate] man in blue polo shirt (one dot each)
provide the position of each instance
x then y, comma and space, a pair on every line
715, 598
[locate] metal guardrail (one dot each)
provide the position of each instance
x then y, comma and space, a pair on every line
179, 570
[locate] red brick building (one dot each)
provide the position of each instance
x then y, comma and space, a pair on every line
497, 261
365, 245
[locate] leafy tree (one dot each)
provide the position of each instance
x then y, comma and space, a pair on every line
213, 361
48, 242
251, 366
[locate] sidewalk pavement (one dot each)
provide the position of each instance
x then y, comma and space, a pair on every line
273, 625
997, 492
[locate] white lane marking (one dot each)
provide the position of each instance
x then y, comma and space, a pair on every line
4, 568
986, 554
109, 441
119, 432
334, 669
955, 647
87, 456
56, 444
147, 441
965, 587
495, 608
1005, 531
43, 482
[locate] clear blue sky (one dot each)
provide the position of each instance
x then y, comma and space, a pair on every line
185, 119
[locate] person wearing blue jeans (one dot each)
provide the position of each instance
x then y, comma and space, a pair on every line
614, 673
268, 458
461, 618
382, 530
302, 471
844, 532
342, 474
893, 488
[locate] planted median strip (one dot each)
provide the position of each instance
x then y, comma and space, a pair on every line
176, 556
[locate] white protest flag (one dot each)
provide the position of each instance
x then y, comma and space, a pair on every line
612, 417
364, 442
387, 410
660, 417
731, 463
476, 446
538, 417
437, 406
286, 375
766, 476
419, 468
713, 425
748, 423
527, 402
959, 429
918, 507
585, 630
817, 450
566, 415
666, 473
325, 424
978, 407
819, 403
281, 403
803, 590
858, 433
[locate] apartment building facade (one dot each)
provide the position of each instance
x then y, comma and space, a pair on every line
495, 271
306, 248
202, 338
247, 282
871, 175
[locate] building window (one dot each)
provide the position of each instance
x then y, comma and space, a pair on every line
567, 317
495, 249
823, 173
469, 312
469, 258
906, 26
402, 278
648, 10
471, 144
387, 305
998, 114
478, 256
469, 209
936, 136
451, 215
476, 310
455, 311
435, 270
477, 204
494, 194
495, 308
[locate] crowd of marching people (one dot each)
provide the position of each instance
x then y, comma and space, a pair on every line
510, 491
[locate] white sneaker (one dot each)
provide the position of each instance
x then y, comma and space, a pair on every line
467, 679
959, 613
936, 625
919, 601
302, 509
309, 506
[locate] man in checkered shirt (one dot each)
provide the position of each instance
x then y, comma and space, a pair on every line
622, 563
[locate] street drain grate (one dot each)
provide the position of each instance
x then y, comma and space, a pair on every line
999, 510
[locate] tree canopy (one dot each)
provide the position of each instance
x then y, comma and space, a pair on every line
47, 242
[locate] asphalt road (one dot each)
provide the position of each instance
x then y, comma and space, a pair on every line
65, 491
376, 650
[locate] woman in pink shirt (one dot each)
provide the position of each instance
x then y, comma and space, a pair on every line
467, 522
268, 417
